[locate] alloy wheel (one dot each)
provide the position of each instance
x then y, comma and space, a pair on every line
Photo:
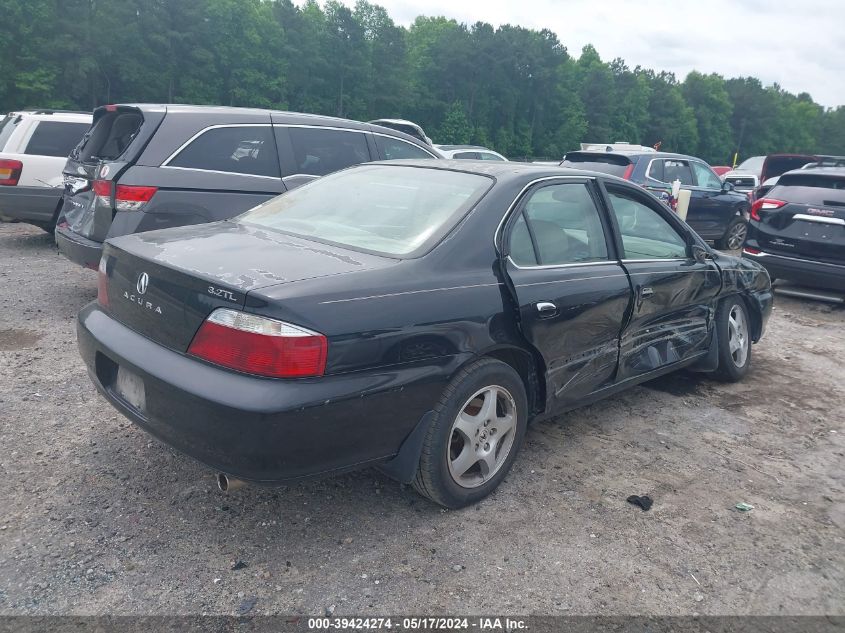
738, 340
736, 236
482, 436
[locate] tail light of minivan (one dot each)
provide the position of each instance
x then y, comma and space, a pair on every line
102, 284
126, 197
765, 204
10, 172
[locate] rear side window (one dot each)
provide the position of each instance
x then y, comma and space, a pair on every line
239, 150
612, 164
489, 156
467, 155
320, 151
7, 127
563, 225
395, 149
55, 138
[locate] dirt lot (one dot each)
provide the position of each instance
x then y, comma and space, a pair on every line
96, 517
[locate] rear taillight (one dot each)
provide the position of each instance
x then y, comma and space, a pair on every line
132, 197
102, 284
10, 172
126, 197
765, 204
257, 345
751, 251
628, 171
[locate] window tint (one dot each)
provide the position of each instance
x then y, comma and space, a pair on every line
467, 155
320, 151
671, 169
239, 150
7, 126
612, 164
394, 148
811, 189
55, 138
645, 233
564, 225
706, 178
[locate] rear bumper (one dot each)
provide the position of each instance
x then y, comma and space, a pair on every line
80, 250
29, 204
803, 271
259, 429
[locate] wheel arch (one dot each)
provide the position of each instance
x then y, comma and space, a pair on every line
529, 367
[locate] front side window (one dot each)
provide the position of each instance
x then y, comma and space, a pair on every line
645, 233
55, 138
706, 178
395, 149
386, 209
321, 151
238, 150
563, 225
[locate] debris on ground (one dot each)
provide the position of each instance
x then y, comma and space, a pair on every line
744, 507
644, 502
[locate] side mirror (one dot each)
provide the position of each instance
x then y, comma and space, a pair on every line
699, 253
727, 186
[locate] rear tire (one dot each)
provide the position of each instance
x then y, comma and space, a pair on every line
477, 430
733, 325
734, 236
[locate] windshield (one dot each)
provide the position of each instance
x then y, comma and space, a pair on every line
387, 209
811, 188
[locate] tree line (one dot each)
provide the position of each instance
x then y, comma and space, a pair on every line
517, 90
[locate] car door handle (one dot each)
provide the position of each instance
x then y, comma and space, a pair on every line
546, 308
645, 291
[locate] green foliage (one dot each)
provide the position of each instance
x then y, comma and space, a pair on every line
514, 89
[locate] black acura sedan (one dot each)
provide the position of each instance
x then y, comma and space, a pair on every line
410, 315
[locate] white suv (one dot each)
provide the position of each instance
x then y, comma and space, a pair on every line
34, 146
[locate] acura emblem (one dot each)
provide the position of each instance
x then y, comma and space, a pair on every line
143, 280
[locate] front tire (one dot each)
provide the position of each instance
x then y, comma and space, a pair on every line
734, 329
477, 430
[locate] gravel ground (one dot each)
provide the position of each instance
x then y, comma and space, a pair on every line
97, 518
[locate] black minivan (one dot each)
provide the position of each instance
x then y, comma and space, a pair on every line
143, 167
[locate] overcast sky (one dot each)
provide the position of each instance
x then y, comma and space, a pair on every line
799, 44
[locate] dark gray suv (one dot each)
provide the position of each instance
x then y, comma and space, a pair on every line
143, 167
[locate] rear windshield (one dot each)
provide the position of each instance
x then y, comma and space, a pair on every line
7, 126
110, 136
385, 209
753, 164
612, 164
810, 188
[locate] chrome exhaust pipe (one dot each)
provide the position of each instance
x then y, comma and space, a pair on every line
228, 484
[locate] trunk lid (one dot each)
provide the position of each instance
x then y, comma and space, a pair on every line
163, 284
812, 222
116, 138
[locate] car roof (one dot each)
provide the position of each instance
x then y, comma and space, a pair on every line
631, 153
281, 116
501, 170
818, 171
